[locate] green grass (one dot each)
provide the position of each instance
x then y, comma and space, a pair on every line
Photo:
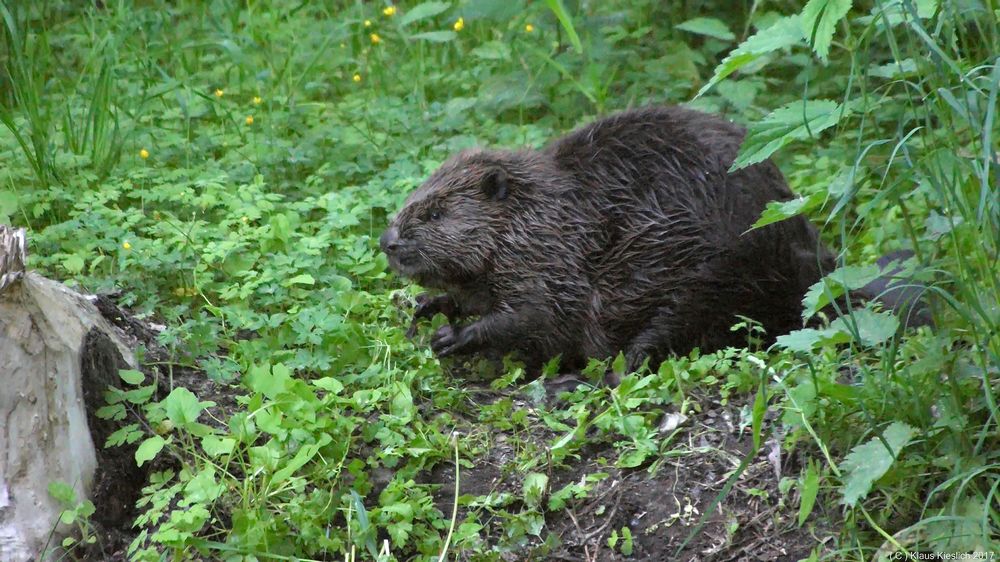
130, 154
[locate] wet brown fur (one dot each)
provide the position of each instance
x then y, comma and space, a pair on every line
628, 234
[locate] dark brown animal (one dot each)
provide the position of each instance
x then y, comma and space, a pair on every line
628, 234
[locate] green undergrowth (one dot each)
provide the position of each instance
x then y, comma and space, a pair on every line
226, 168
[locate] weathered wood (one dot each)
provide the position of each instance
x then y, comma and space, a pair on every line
47, 345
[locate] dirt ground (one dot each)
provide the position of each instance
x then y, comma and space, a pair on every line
662, 509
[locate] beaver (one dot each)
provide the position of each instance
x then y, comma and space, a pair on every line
627, 235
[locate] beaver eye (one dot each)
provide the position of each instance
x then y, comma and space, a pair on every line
434, 215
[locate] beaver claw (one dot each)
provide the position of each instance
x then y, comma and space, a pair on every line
449, 341
427, 307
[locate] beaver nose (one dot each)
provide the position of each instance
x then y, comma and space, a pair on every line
389, 241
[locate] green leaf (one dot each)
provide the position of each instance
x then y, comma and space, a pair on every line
329, 384
794, 121
304, 454
149, 449
535, 484
217, 446
711, 27
303, 279
62, 492
808, 489
563, 16
873, 328
131, 376
73, 264
834, 284
783, 33
819, 21
806, 339
8, 206
422, 12
777, 211
435, 36
267, 380
868, 462
492, 50
183, 407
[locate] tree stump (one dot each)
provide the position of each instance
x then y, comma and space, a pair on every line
57, 355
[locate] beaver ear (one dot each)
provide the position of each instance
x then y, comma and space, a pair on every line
495, 184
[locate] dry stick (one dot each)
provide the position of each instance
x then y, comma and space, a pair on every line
454, 506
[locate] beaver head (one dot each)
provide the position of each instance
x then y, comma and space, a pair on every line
449, 227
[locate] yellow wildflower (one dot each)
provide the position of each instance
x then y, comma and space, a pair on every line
529, 28
257, 100
375, 39
126, 245
144, 154
389, 11
219, 92
459, 24
356, 78
249, 119
368, 23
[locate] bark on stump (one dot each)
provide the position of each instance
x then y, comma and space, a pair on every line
57, 354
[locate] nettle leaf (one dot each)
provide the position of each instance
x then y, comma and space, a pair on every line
819, 21
873, 328
784, 33
710, 27
794, 121
422, 12
869, 461
847, 278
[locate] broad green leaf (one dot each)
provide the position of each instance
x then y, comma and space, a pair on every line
329, 384
535, 484
149, 449
783, 33
203, 488
819, 21
873, 328
8, 206
422, 12
183, 407
563, 16
435, 36
217, 446
847, 278
131, 376
711, 27
806, 339
869, 461
777, 211
267, 380
303, 279
492, 50
794, 121
62, 492
808, 489
73, 264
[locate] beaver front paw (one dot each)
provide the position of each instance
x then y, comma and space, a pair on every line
448, 340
